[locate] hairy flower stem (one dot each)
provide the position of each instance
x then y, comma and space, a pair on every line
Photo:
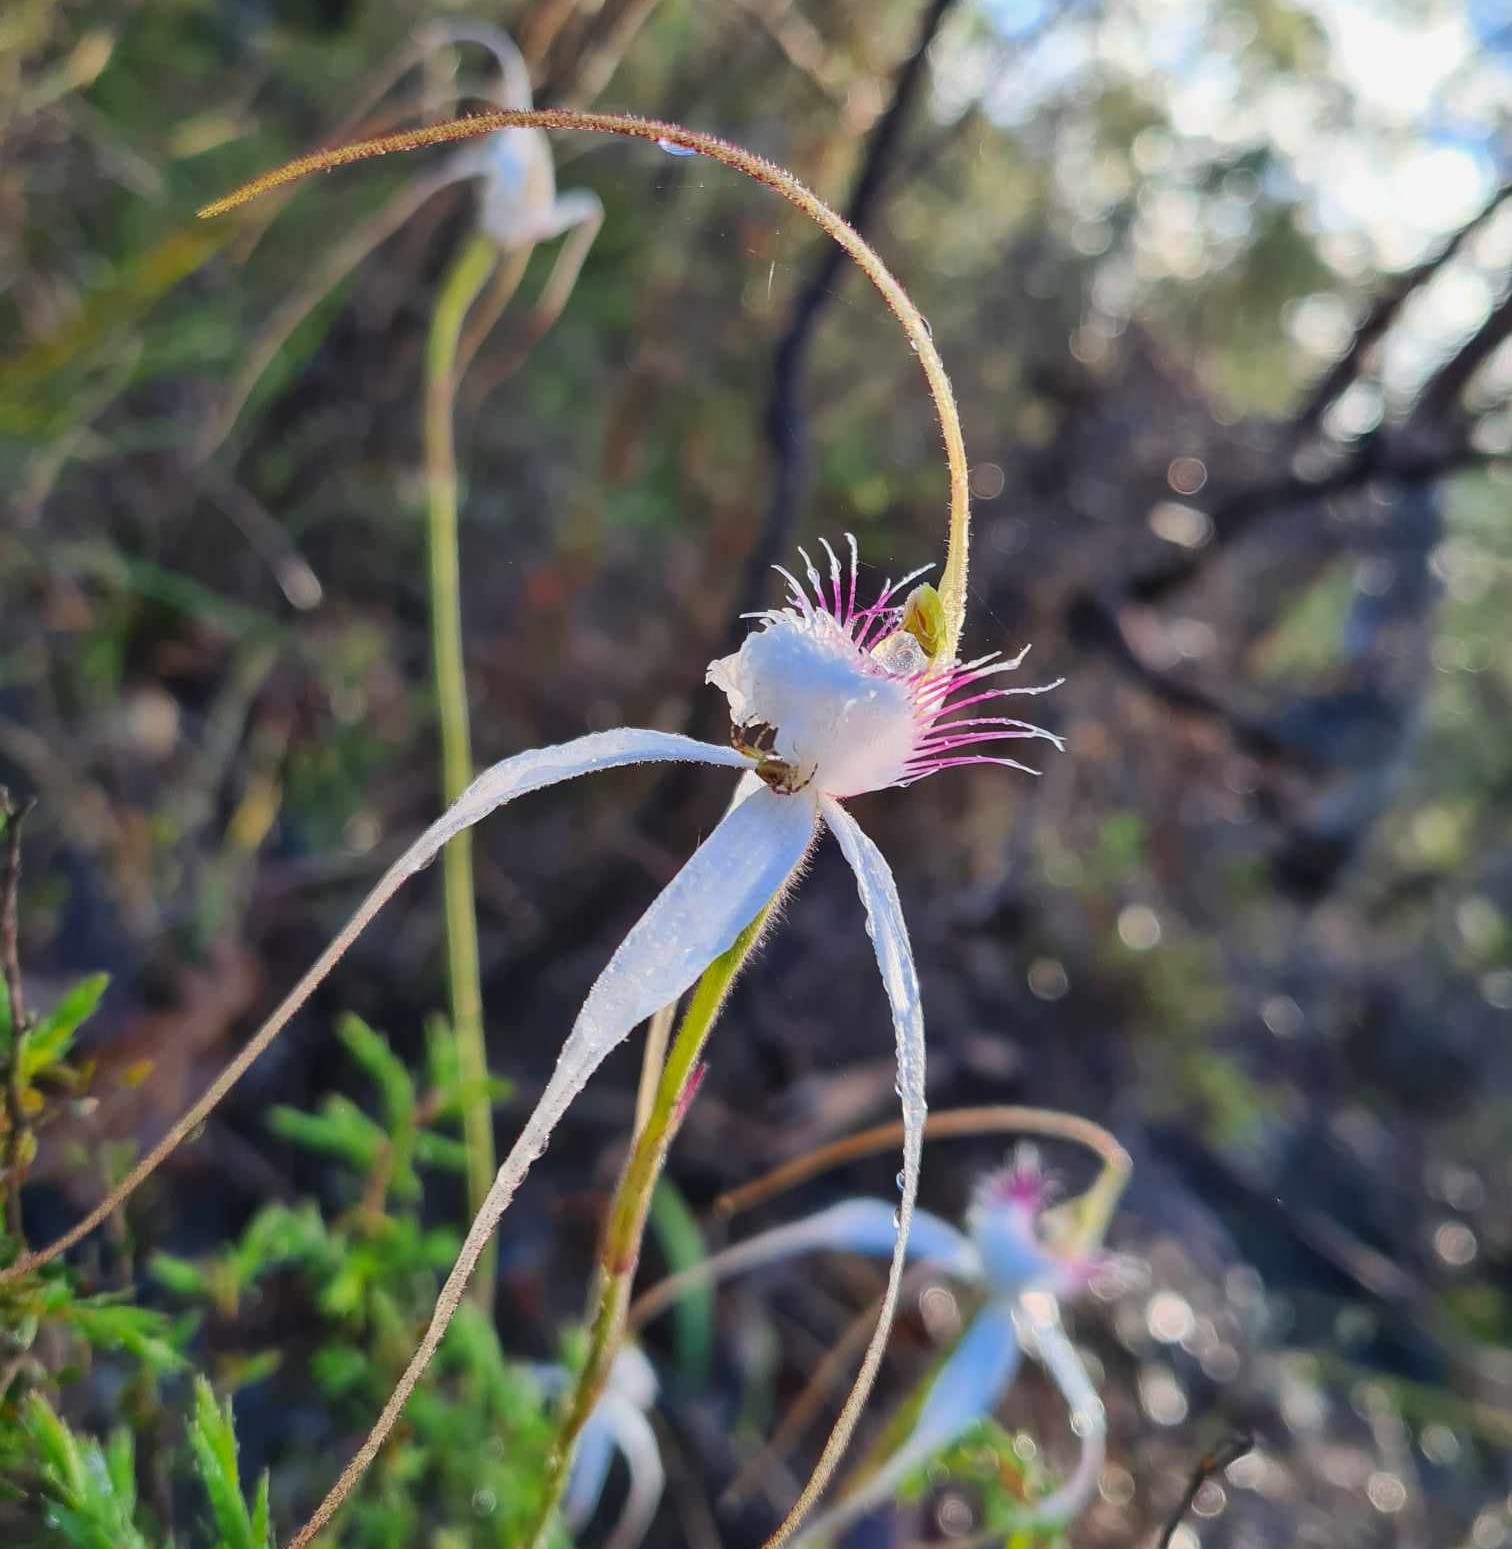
780, 181
465, 278
1095, 1208
619, 1251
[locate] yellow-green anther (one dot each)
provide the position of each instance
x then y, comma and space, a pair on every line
924, 618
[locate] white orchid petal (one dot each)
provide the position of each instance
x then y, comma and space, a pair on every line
853, 1226
617, 1421
889, 934
740, 868
637, 1444
965, 1389
747, 785
1039, 1324
586, 1478
861, 1226
527, 772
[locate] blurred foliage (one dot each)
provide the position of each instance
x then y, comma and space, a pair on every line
999, 1473
1259, 917
471, 1453
37, 1059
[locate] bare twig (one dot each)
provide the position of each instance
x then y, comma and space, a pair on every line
1227, 1451
1440, 396
10, 961
1383, 313
1378, 457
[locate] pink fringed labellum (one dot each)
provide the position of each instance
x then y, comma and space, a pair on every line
842, 699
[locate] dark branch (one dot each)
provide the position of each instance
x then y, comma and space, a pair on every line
1383, 313
1376, 457
1440, 395
1227, 1451
785, 422
1092, 624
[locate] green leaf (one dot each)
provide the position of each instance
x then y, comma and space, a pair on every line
151, 1336
340, 1129
49, 1041
681, 1240
181, 1276
91, 1493
212, 1439
433, 1150
371, 1050
262, 1518
57, 1452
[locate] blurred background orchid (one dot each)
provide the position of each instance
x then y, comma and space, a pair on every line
619, 1426
1022, 1258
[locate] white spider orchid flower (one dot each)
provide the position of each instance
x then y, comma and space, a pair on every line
1011, 1252
617, 1423
518, 202
829, 700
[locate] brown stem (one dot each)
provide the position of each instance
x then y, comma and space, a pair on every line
10, 959
998, 1118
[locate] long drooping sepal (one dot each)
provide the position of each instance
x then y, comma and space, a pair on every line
965, 1389
618, 1423
889, 933
589, 1472
501, 783
732, 877
636, 1441
866, 1226
734, 874
1040, 1328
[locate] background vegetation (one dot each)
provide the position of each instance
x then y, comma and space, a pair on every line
1223, 288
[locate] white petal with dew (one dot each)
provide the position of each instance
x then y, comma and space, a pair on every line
540, 767
867, 1226
965, 1389
747, 785
889, 933
589, 1472
745, 862
735, 873
1039, 1324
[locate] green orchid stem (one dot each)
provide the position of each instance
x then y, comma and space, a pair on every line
466, 277
619, 1252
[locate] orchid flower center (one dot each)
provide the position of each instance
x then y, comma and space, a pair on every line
1008, 1226
835, 698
